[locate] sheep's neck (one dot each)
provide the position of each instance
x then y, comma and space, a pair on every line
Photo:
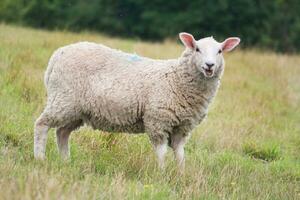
192, 83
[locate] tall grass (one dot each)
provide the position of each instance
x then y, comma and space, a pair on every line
248, 148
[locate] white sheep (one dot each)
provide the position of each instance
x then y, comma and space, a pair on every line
119, 92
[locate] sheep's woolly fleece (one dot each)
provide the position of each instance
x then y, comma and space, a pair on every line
115, 91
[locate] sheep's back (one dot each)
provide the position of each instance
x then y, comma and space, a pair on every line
108, 86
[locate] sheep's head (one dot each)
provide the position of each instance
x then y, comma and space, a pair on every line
207, 54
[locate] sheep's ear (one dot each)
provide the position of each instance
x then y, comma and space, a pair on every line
188, 40
230, 43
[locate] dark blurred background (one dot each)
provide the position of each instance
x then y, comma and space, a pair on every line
267, 24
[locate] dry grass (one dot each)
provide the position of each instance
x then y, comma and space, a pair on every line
248, 148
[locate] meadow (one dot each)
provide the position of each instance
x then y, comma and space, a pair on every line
247, 148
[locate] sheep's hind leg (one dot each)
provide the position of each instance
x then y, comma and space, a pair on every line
41, 128
62, 136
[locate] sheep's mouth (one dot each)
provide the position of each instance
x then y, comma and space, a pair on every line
208, 72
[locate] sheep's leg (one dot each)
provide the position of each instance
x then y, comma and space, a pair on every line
62, 136
179, 154
161, 150
40, 136
177, 144
160, 144
158, 132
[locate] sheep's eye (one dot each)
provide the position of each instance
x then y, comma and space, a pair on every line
197, 49
220, 51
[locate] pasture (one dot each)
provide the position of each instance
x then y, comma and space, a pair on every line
247, 148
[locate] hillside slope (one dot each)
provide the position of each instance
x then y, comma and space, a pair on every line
248, 147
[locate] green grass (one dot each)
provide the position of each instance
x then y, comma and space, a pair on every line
267, 152
248, 147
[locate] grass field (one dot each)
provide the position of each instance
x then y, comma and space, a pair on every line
247, 148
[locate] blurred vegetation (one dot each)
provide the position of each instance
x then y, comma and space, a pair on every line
260, 23
266, 152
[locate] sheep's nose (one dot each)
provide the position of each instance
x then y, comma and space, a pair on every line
209, 64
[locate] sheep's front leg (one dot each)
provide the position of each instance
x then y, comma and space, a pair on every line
177, 144
160, 144
161, 150
158, 129
179, 154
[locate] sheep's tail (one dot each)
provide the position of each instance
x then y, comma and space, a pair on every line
51, 64
47, 74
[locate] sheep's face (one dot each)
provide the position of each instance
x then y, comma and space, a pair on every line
207, 54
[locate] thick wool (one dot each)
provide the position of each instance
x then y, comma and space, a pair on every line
110, 90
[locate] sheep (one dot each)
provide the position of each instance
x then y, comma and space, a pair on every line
113, 91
